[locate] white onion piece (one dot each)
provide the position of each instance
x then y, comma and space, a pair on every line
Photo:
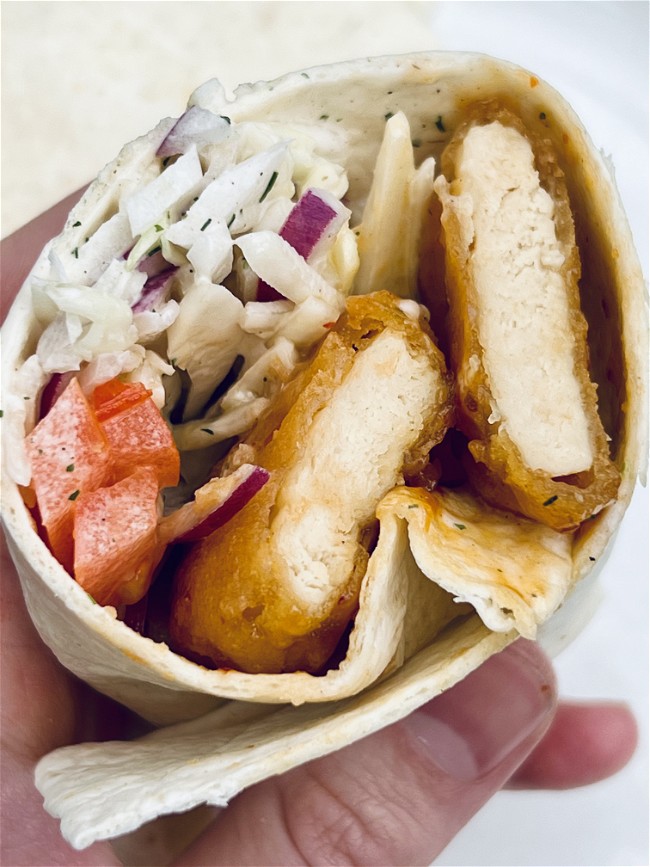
197, 126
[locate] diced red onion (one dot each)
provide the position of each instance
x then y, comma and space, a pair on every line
304, 227
154, 291
153, 263
227, 510
267, 293
54, 388
306, 223
196, 126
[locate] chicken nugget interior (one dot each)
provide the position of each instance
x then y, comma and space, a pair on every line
518, 337
276, 589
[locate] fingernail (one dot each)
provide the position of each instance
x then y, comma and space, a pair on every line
495, 714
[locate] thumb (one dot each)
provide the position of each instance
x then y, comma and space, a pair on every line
400, 795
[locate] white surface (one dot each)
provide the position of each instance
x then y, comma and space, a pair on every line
80, 79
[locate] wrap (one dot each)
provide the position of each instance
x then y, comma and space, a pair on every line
449, 569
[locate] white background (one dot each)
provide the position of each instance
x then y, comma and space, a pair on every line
80, 79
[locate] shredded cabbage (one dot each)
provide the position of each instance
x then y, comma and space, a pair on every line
177, 182
201, 220
278, 264
205, 339
19, 414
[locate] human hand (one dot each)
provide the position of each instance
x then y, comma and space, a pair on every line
396, 797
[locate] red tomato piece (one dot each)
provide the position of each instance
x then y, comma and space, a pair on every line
116, 547
114, 397
138, 437
69, 455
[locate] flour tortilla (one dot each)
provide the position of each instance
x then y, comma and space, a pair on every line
428, 615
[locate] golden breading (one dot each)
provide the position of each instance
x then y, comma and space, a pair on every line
275, 589
517, 336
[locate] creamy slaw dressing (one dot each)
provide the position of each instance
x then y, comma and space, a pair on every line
204, 223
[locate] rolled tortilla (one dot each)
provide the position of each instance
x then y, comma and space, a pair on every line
442, 589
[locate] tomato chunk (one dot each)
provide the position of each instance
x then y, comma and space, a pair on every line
69, 456
97, 470
136, 431
116, 548
114, 397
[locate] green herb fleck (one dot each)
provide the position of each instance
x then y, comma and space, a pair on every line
439, 124
413, 506
94, 601
388, 115
75, 252
158, 228
417, 142
155, 250
550, 500
74, 225
206, 224
542, 115
460, 526
2, 412
304, 75
230, 222
69, 468
269, 186
74, 495
324, 117
208, 431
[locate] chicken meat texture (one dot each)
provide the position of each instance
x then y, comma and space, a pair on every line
518, 337
276, 588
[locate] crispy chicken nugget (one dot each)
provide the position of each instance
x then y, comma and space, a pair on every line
518, 338
276, 588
